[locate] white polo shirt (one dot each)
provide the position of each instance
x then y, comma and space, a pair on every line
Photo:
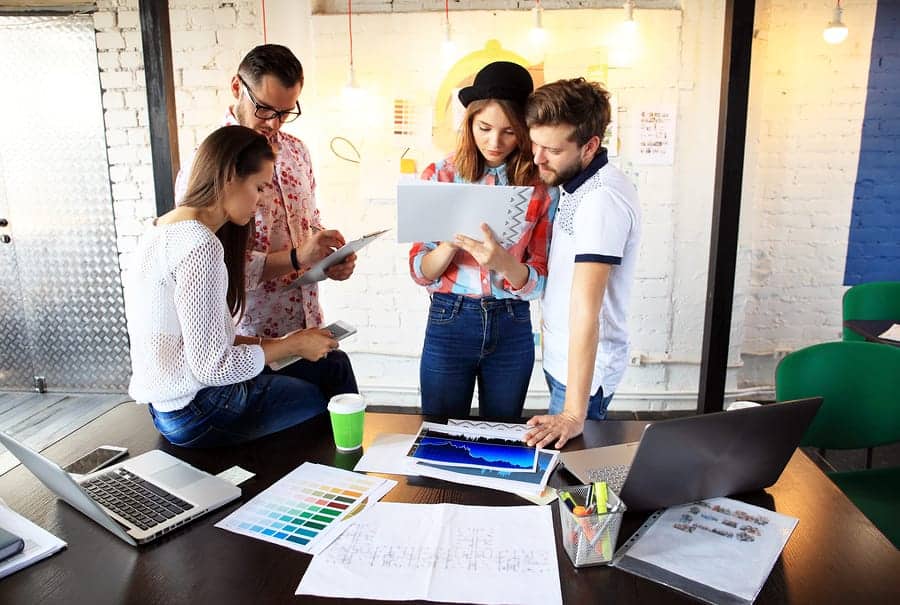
599, 221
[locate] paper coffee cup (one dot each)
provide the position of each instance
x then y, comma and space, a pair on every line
347, 413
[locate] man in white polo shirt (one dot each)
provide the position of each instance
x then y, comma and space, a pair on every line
593, 252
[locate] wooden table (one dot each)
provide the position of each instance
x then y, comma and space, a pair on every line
834, 556
871, 328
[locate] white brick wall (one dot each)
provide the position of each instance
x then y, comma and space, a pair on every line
807, 101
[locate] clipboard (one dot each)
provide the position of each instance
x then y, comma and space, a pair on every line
316, 273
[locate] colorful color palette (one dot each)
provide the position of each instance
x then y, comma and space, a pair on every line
304, 509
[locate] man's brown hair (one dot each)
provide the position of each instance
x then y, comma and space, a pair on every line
577, 102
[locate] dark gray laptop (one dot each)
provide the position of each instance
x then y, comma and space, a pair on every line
696, 457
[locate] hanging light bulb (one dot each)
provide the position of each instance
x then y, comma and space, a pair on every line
351, 94
625, 47
538, 35
629, 26
836, 31
448, 48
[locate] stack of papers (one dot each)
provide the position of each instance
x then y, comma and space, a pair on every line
479, 453
39, 543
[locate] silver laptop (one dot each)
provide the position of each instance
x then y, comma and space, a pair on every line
705, 456
139, 499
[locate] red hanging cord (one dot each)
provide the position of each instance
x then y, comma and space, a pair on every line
350, 28
265, 37
447, 10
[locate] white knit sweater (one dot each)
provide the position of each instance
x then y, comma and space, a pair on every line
182, 335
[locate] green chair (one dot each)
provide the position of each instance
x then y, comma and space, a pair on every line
860, 384
874, 300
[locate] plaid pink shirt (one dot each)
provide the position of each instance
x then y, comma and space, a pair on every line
464, 275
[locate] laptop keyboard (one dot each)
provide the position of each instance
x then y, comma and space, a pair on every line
613, 475
140, 502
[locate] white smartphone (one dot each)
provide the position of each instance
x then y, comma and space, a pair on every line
96, 459
339, 330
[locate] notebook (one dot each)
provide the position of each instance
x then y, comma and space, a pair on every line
139, 499
696, 457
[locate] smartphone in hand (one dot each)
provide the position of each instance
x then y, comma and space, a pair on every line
339, 331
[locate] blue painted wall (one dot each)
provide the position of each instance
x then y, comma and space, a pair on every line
873, 249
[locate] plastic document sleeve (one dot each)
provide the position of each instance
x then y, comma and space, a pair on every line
718, 551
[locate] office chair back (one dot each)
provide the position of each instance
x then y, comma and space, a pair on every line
874, 300
860, 384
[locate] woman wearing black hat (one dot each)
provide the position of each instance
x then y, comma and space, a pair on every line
479, 323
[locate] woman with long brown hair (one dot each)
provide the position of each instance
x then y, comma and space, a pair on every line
479, 324
183, 291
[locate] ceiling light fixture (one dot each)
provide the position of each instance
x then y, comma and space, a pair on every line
448, 50
836, 31
538, 35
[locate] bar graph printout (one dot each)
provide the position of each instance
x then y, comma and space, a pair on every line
442, 552
306, 509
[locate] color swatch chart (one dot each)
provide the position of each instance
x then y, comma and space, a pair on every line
304, 510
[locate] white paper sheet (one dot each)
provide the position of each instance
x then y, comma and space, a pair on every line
892, 333
39, 543
387, 454
428, 212
317, 271
720, 542
514, 430
442, 552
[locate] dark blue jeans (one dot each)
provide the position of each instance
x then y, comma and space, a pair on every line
597, 403
483, 339
333, 374
240, 412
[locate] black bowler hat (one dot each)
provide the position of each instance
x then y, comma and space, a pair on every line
499, 80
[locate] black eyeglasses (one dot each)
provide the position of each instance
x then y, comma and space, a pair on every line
264, 112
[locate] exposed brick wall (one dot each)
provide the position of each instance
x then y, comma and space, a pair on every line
807, 102
873, 250
208, 39
807, 105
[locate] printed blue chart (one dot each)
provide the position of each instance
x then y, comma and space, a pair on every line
446, 446
303, 510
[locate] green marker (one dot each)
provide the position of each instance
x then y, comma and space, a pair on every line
601, 495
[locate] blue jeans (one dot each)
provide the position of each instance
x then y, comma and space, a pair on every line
333, 374
240, 412
597, 404
483, 339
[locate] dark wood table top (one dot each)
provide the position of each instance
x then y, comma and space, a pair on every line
834, 556
871, 328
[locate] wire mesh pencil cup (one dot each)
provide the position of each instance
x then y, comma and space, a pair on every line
590, 539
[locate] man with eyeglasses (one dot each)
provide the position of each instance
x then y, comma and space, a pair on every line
289, 237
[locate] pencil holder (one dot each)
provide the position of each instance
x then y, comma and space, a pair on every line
590, 539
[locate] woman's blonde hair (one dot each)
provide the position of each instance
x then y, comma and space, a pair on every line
229, 152
471, 165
